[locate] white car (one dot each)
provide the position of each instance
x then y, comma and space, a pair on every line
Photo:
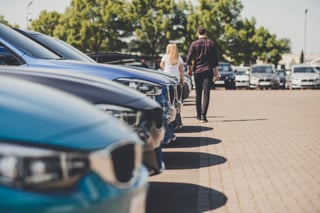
242, 77
302, 76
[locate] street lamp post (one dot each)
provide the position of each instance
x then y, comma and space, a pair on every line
305, 35
28, 13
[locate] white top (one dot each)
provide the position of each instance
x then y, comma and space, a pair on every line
172, 69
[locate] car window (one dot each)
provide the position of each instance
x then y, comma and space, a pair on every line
7, 57
26, 45
61, 48
240, 73
303, 70
262, 69
225, 68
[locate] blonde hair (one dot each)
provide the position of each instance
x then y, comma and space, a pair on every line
172, 51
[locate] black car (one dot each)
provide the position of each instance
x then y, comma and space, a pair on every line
135, 109
118, 58
226, 76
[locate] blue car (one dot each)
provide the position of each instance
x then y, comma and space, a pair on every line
60, 154
22, 51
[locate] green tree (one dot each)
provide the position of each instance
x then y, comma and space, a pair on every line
217, 16
95, 25
266, 46
239, 43
4, 21
156, 22
301, 59
46, 22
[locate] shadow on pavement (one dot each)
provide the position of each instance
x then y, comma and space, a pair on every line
190, 160
189, 104
164, 197
190, 129
188, 142
242, 120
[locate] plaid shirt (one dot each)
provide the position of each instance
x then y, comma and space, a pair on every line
204, 54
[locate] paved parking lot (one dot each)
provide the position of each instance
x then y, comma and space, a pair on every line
260, 152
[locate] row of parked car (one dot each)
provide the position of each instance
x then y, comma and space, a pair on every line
77, 135
265, 76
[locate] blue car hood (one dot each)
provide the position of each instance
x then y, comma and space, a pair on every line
111, 72
38, 115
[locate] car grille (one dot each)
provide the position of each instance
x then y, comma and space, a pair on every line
156, 115
118, 164
179, 91
171, 92
123, 159
264, 80
151, 120
307, 80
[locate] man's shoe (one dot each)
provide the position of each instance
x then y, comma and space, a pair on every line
198, 118
203, 119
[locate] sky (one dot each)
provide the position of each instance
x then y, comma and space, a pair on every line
284, 18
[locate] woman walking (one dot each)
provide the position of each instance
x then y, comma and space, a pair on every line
172, 63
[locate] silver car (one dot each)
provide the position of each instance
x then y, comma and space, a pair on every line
263, 76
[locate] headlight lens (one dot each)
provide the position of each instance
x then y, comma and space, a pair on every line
124, 114
146, 87
37, 168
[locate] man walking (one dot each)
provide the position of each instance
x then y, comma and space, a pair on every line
204, 58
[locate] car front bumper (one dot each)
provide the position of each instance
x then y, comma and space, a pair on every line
91, 194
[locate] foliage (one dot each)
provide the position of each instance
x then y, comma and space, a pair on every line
4, 21
301, 59
95, 25
147, 26
46, 23
157, 22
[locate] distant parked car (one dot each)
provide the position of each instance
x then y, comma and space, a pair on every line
302, 76
263, 76
60, 154
137, 111
226, 76
242, 77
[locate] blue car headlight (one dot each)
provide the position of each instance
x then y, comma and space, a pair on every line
129, 116
43, 168
38, 168
146, 87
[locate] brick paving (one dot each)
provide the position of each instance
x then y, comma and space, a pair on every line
259, 152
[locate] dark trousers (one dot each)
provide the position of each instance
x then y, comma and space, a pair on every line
203, 82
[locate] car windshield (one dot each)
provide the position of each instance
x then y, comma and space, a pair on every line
262, 69
303, 70
281, 74
240, 73
223, 67
26, 45
61, 48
